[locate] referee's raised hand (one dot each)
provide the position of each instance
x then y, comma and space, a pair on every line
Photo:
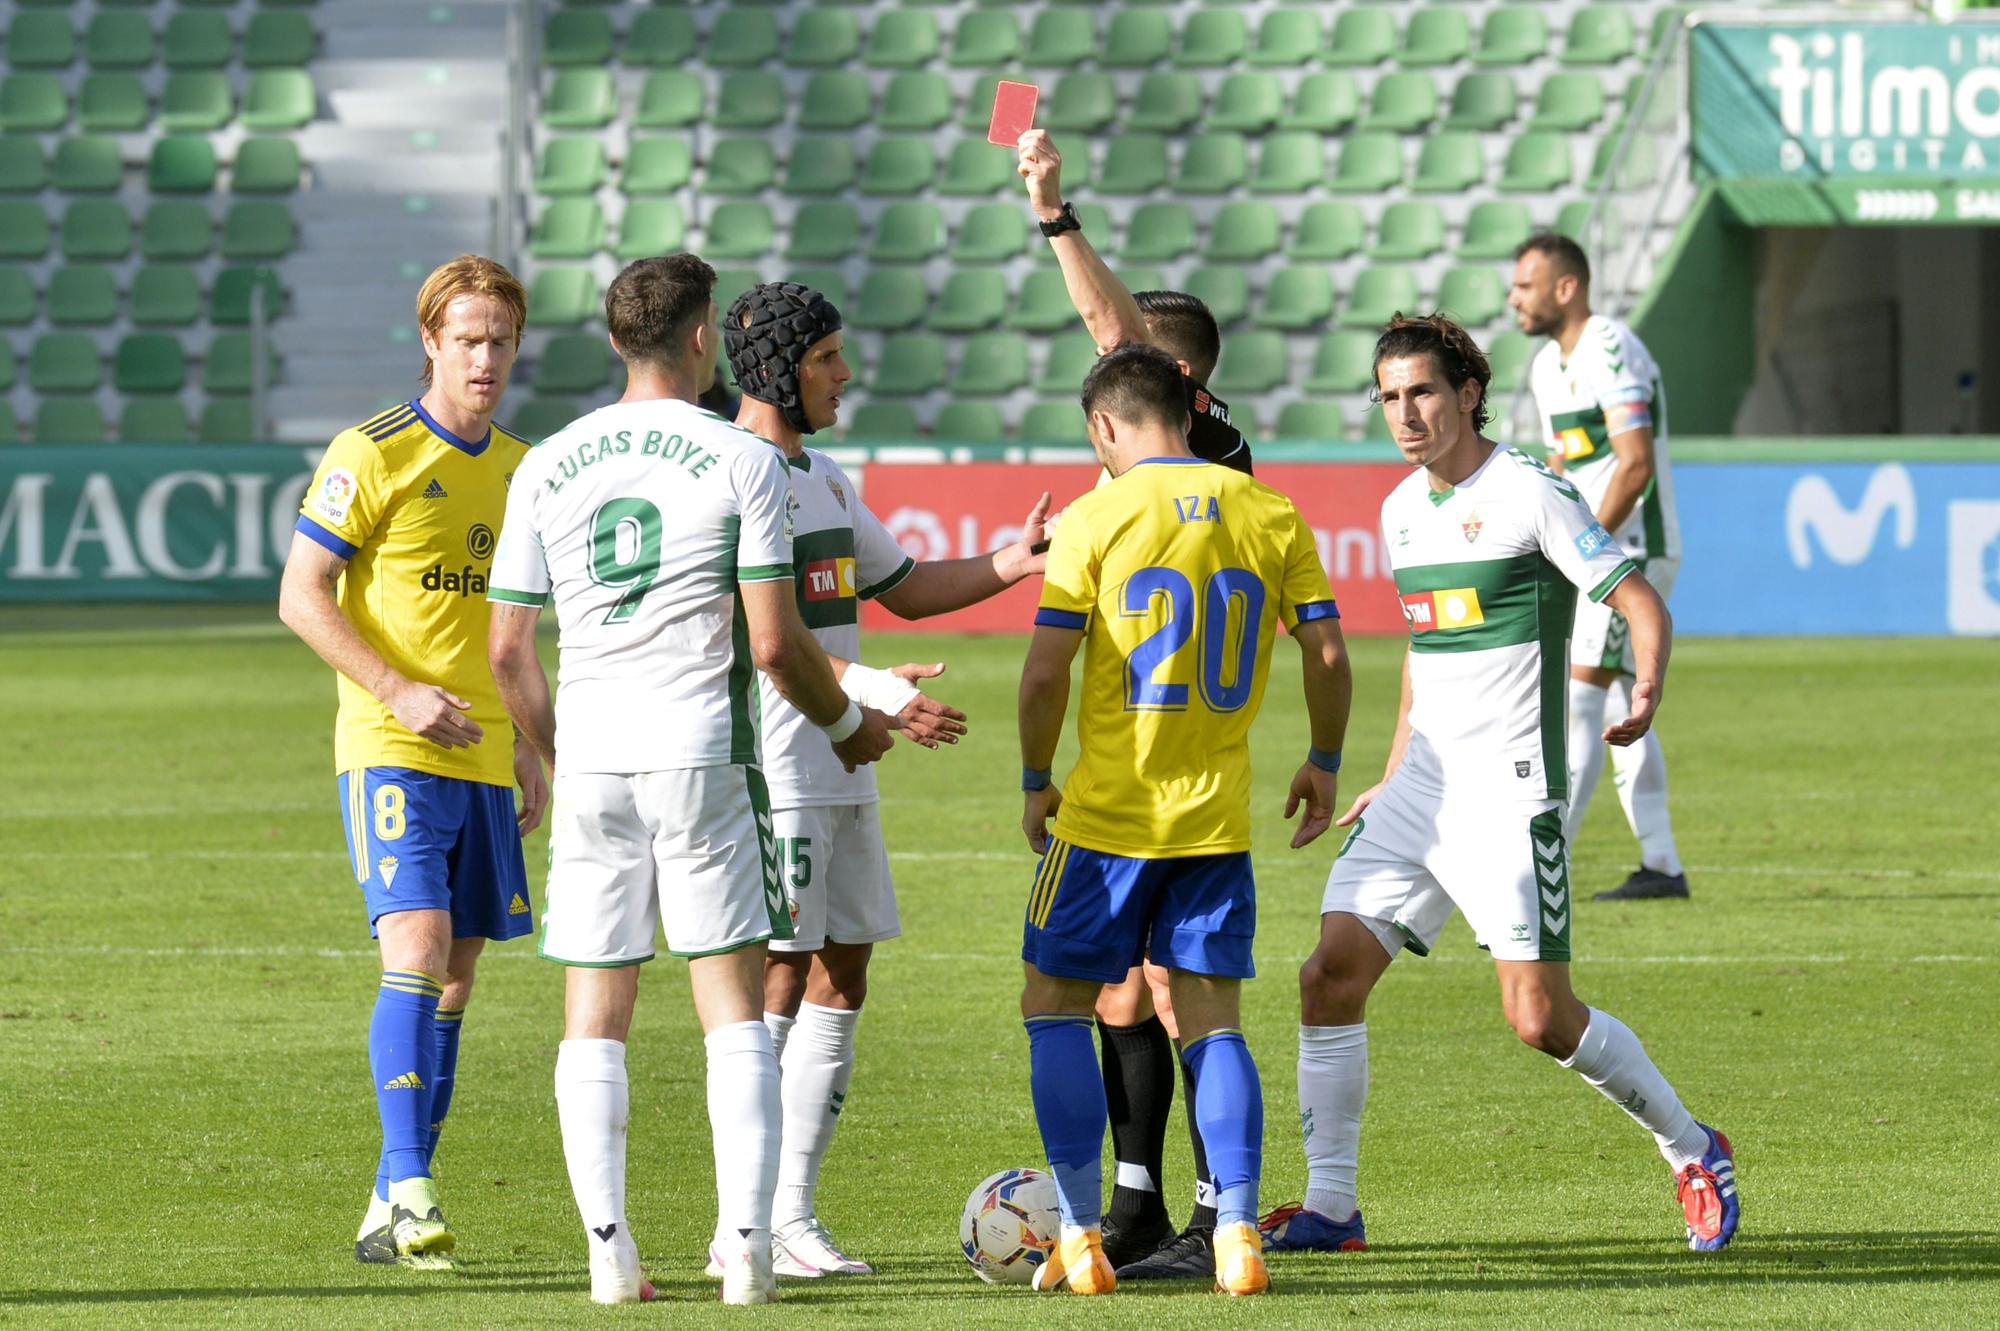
1041, 166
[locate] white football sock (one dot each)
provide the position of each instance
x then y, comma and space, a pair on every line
743, 1120
1333, 1086
1641, 772
819, 1063
1586, 750
593, 1104
780, 1027
1611, 1058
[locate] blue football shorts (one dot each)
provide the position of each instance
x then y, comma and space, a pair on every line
420, 841
1094, 916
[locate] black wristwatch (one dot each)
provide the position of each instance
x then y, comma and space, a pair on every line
1066, 220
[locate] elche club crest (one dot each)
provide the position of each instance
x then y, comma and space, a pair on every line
1471, 526
839, 495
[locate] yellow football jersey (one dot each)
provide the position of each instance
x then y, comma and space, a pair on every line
1175, 573
416, 512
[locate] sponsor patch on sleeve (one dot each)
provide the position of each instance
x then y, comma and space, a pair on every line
336, 495
1621, 417
1592, 540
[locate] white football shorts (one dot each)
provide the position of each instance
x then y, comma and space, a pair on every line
835, 872
692, 848
1600, 638
1412, 856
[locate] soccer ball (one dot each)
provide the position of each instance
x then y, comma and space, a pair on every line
1011, 1222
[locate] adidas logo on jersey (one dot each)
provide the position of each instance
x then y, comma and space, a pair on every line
409, 1081
518, 906
434, 490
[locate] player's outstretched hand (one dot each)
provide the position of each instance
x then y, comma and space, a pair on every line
1034, 544
1313, 787
1041, 167
534, 784
437, 715
1634, 727
1038, 807
1361, 802
868, 743
927, 721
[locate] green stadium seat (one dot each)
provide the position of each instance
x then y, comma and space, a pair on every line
1253, 363
149, 363
1494, 228
991, 233
194, 40
1287, 37
1361, 36
195, 99
156, 418
1059, 39
1482, 100
228, 421
891, 298
1083, 102
1371, 161
1450, 162
977, 110
236, 289
279, 99
821, 165
1511, 36
1297, 298
1437, 35
1042, 305
1404, 102
118, 41
1224, 288
984, 38
96, 229
1325, 102
742, 37
88, 163
913, 99
656, 164
733, 282
649, 228
64, 363
573, 363
107, 102
1572, 99
670, 99
1641, 168
823, 37
1598, 35
1310, 421
577, 37
825, 229
69, 420
750, 99
277, 39
40, 41
1378, 292
969, 422
1476, 294
1167, 101
738, 229
1292, 162
1508, 354
883, 421
1247, 103
1343, 362
911, 364
266, 165
573, 164
1409, 229
902, 39
1213, 164
1211, 39
579, 99
1570, 219
899, 165
32, 101
972, 299
567, 229
1243, 231
976, 167
829, 283
741, 166
539, 417
1142, 277
24, 230
10, 425
910, 231
1328, 229
1059, 422
833, 99
82, 295
1537, 162
230, 364
18, 302
660, 39
1070, 356
177, 229
1134, 163
1136, 39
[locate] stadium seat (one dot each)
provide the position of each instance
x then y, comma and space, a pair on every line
1224, 288
1167, 101
821, 164
977, 111
825, 229
891, 298
1404, 102
1211, 39
749, 99
104, 102
909, 231
40, 41
833, 99
741, 166
1243, 231
1142, 277
738, 229
971, 299
823, 37
69, 420
196, 99
1071, 353
742, 37
1537, 162
279, 99
1571, 100
977, 167
650, 227
883, 421
670, 98
155, 418
1482, 100
1324, 102
1476, 293
87, 163
266, 165
118, 41
1343, 362
1297, 298
991, 233
228, 421
1052, 422
96, 229
901, 39
576, 37
176, 229
235, 289
1059, 39
1253, 363
573, 363
277, 39
1511, 36
32, 101
1378, 292
149, 363
1641, 167
1042, 305
579, 99
1247, 103
82, 295
913, 99
573, 164
969, 422
1308, 421
993, 364
1290, 162
1409, 229
64, 363
899, 165
1361, 36
18, 302
1136, 39
1598, 35
1437, 35
1371, 161
1509, 354
539, 417
194, 40
1134, 163
567, 229
984, 38
1287, 37
1086, 102
1494, 228
230, 364
1450, 162
911, 364
660, 38
1328, 229
1215, 164
24, 230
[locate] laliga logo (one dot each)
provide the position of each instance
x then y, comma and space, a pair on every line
1847, 536
923, 534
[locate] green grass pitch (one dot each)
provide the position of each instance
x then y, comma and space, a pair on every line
185, 978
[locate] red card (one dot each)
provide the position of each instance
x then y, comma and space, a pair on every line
1013, 112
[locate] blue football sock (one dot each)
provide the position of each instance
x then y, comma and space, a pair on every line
449, 1020
1069, 1108
1229, 1106
402, 1056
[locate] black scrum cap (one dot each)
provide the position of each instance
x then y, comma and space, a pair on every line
766, 334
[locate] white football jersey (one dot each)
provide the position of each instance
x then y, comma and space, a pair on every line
1488, 574
642, 518
1610, 378
842, 555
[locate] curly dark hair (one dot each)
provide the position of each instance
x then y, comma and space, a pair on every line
1449, 346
